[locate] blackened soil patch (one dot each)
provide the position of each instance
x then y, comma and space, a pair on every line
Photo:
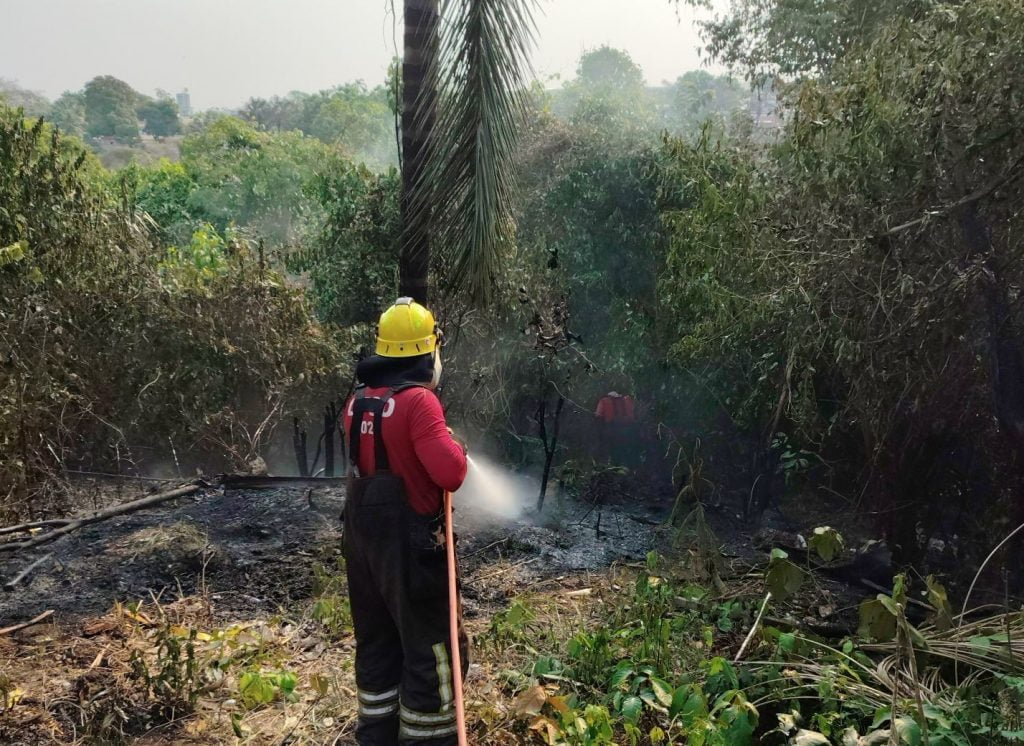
253, 549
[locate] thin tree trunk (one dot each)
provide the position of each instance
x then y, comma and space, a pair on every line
330, 425
299, 444
549, 448
1006, 357
419, 107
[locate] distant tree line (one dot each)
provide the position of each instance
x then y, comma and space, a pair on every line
358, 118
105, 107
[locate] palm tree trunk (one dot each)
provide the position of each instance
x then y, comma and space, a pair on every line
419, 109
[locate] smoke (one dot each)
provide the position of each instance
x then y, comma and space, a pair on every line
493, 492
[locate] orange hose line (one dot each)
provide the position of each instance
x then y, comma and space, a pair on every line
453, 622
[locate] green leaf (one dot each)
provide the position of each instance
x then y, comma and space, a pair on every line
545, 664
899, 589
908, 730
679, 697
740, 719
632, 707
689, 704
783, 578
256, 689
877, 621
620, 675
934, 713
662, 691
287, 681
889, 604
693, 592
779, 554
827, 542
787, 642
937, 597
14, 253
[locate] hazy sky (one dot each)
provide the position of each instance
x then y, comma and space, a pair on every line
225, 51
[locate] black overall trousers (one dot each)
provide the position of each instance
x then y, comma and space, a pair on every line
398, 587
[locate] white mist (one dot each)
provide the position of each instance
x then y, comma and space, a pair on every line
491, 490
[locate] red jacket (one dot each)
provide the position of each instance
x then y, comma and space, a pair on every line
618, 409
420, 449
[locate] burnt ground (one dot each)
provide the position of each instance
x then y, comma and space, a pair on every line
243, 564
254, 551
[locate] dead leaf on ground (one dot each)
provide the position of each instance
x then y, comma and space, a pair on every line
530, 702
546, 727
197, 727
98, 627
559, 704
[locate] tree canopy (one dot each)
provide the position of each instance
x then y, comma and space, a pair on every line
160, 117
353, 116
110, 109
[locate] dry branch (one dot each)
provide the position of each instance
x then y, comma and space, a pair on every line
24, 625
11, 584
101, 515
753, 629
34, 524
976, 196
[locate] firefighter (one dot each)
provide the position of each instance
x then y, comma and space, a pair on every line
616, 417
402, 457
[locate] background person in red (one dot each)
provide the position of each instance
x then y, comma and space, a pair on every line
616, 415
402, 458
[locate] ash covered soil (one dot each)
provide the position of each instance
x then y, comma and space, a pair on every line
254, 551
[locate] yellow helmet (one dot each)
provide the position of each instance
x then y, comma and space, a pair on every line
406, 329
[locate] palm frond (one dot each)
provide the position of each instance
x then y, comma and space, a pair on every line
989, 647
482, 70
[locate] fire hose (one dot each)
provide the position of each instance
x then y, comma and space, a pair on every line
453, 622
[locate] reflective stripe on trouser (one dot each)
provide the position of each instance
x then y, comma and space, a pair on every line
426, 725
417, 726
378, 704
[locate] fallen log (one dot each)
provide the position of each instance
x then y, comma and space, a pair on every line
101, 515
11, 584
34, 524
25, 625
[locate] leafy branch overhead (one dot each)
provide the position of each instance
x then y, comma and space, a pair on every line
482, 73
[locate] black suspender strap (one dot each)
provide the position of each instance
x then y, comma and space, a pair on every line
360, 405
380, 452
354, 428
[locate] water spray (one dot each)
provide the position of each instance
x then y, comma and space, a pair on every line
492, 491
